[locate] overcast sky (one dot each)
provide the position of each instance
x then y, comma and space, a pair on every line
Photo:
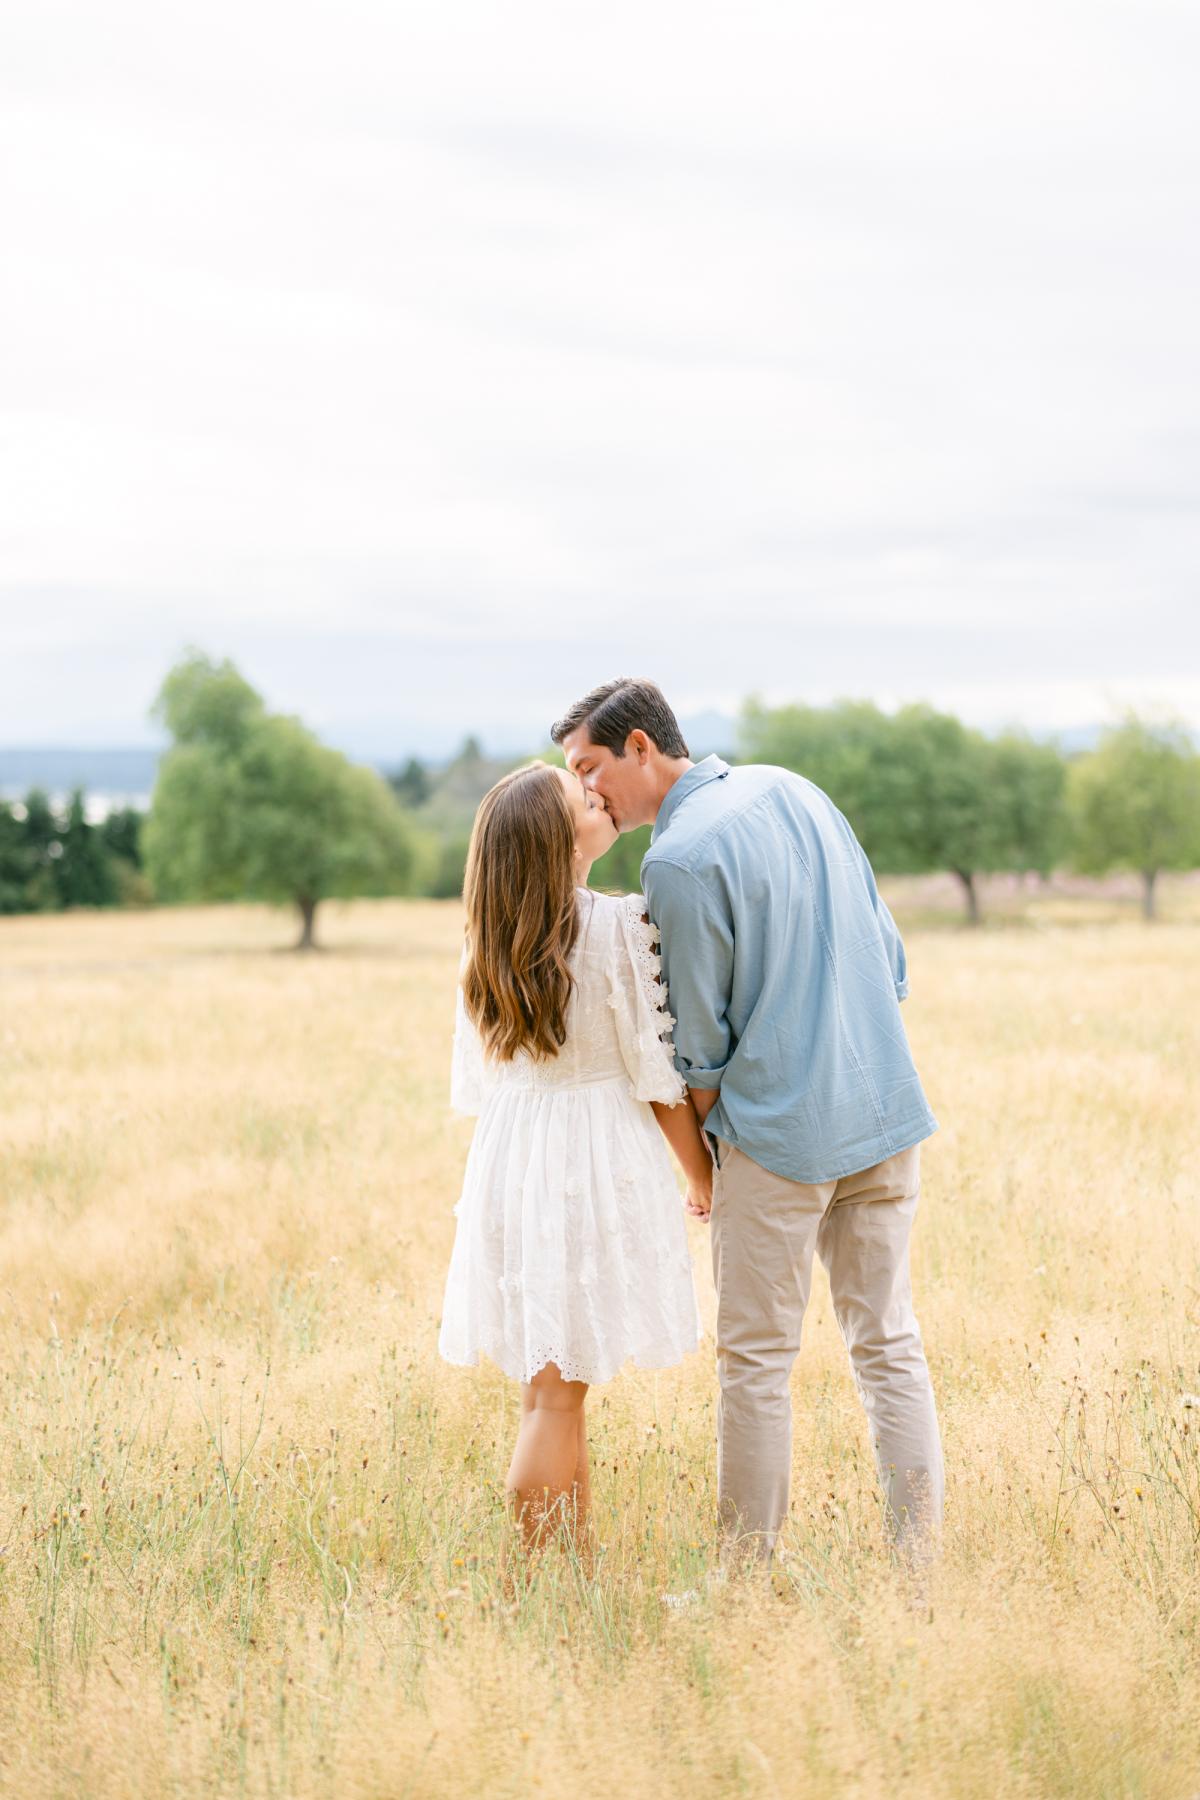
438, 360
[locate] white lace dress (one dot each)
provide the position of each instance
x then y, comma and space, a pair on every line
571, 1245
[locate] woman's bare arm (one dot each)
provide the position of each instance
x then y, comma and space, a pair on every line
681, 1128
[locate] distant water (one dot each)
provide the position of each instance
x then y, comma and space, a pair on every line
109, 778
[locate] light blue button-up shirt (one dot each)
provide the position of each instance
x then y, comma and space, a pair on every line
784, 972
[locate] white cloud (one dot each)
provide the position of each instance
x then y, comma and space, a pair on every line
853, 350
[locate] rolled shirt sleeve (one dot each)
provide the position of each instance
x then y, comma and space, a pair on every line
697, 958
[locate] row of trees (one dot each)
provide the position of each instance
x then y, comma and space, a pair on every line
249, 804
53, 857
924, 793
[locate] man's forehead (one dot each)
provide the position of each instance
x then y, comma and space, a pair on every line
577, 745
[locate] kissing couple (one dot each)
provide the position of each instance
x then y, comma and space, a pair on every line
781, 1080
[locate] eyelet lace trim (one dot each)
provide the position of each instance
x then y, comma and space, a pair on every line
663, 1353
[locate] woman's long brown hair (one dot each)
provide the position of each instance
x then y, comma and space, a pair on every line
522, 914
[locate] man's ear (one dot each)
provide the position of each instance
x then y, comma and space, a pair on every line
640, 743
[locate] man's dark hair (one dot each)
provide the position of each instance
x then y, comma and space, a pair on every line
611, 712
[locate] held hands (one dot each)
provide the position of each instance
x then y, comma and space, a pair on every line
681, 1127
697, 1202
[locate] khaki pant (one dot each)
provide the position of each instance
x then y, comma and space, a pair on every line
765, 1230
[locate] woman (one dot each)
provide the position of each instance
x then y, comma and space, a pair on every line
570, 1254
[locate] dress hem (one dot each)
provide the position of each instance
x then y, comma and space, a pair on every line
571, 1369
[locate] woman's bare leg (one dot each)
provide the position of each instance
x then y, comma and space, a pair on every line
583, 1479
585, 1536
547, 1484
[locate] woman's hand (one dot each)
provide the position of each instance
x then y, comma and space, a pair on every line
697, 1202
682, 1131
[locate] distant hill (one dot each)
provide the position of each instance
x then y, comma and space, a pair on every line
707, 732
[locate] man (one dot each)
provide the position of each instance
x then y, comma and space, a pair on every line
784, 971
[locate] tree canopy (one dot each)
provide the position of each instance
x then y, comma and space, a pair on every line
1136, 803
922, 790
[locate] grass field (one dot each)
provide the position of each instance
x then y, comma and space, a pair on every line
249, 1525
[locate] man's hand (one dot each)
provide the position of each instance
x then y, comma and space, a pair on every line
704, 1099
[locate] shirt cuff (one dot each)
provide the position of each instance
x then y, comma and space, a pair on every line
704, 1078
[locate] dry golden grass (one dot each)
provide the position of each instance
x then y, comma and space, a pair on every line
250, 1524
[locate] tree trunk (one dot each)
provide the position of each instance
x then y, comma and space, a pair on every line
308, 912
1149, 877
967, 877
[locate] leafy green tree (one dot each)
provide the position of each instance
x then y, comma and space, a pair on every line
1030, 791
919, 788
83, 872
1135, 802
121, 834
467, 777
249, 803
845, 749
449, 865
941, 802
411, 784
204, 703
43, 843
444, 818
16, 861
619, 870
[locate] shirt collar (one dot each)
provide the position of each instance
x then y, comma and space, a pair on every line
711, 769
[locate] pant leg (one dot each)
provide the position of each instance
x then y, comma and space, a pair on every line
864, 1244
764, 1233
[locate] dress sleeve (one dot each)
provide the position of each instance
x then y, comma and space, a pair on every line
698, 954
639, 1002
468, 1075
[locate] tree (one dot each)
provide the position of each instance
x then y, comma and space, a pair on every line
411, 784
1030, 791
249, 803
43, 843
51, 859
16, 861
83, 871
619, 870
467, 777
121, 834
1135, 802
845, 749
444, 820
448, 865
944, 803
920, 789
